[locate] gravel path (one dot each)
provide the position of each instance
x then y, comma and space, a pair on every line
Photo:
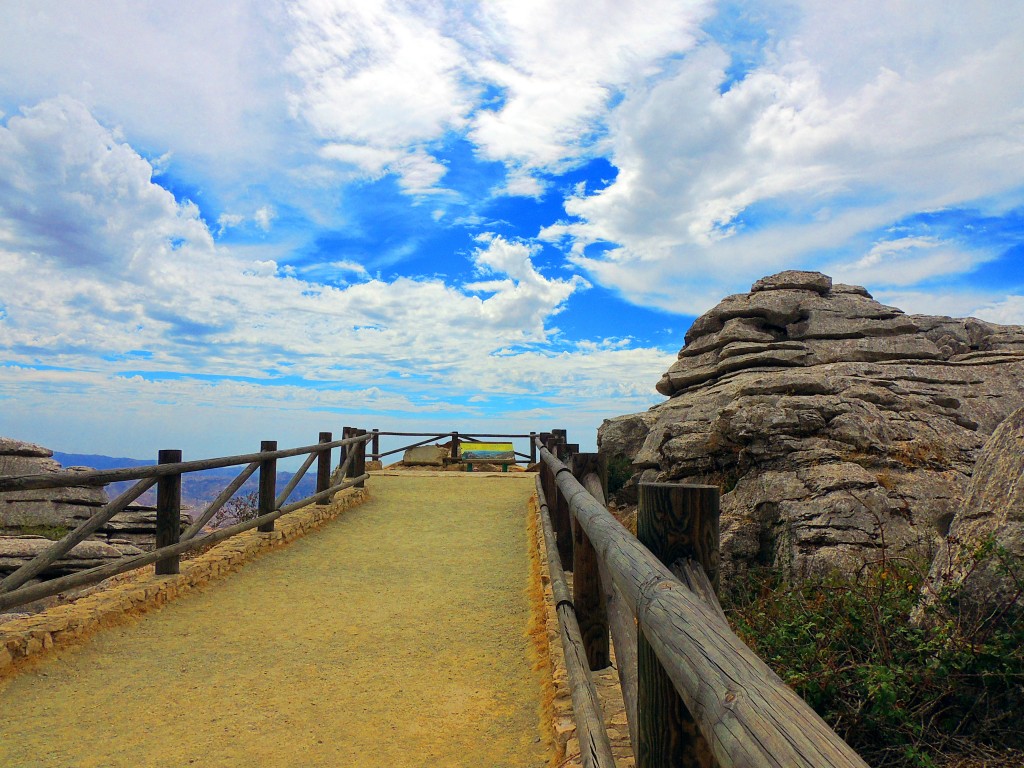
395, 636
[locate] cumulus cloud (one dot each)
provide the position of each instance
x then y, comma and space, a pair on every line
381, 83
120, 275
803, 156
378, 81
559, 65
201, 78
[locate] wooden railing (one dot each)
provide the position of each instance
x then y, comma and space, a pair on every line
695, 695
171, 541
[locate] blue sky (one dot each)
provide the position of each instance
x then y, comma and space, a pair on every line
221, 223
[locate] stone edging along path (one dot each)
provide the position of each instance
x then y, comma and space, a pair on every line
558, 700
26, 638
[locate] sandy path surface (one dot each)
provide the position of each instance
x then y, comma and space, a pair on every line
395, 636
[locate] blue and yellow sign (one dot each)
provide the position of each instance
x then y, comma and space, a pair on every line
497, 453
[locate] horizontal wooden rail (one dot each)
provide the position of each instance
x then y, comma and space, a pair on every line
95, 575
104, 476
429, 437
378, 456
166, 475
595, 749
383, 433
748, 716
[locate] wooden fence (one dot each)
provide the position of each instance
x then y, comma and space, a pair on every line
171, 541
695, 695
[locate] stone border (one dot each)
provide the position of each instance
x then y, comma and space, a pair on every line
563, 721
29, 637
563, 718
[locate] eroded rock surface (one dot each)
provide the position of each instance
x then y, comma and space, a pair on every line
61, 509
984, 553
837, 426
15, 551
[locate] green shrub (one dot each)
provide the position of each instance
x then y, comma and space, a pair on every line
52, 532
620, 469
901, 693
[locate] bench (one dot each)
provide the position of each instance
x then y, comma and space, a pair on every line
487, 453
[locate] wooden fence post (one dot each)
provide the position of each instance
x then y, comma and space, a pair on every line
588, 594
455, 446
323, 465
533, 447
676, 523
375, 447
559, 507
268, 485
346, 432
168, 513
359, 462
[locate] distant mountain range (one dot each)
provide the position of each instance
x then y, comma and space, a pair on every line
198, 489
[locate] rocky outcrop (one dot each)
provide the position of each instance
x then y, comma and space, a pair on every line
53, 507
836, 426
983, 557
60, 509
18, 550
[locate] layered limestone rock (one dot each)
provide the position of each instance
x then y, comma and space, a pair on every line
16, 551
837, 426
51, 507
983, 557
62, 509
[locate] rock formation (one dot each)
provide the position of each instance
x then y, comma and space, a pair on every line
52, 507
15, 551
990, 523
836, 426
62, 509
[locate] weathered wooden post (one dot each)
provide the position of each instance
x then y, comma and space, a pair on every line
676, 523
588, 594
455, 446
375, 448
168, 513
562, 516
359, 462
268, 485
346, 433
533, 447
323, 465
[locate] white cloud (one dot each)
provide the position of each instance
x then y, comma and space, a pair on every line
264, 217
1006, 309
346, 265
228, 221
924, 110
377, 81
904, 261
559, 65
202, 79
155, 294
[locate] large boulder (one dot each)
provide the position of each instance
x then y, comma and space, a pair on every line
836, 426
56, 510
49, 507
983, 557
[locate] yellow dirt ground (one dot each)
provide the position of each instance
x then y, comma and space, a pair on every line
395, 636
